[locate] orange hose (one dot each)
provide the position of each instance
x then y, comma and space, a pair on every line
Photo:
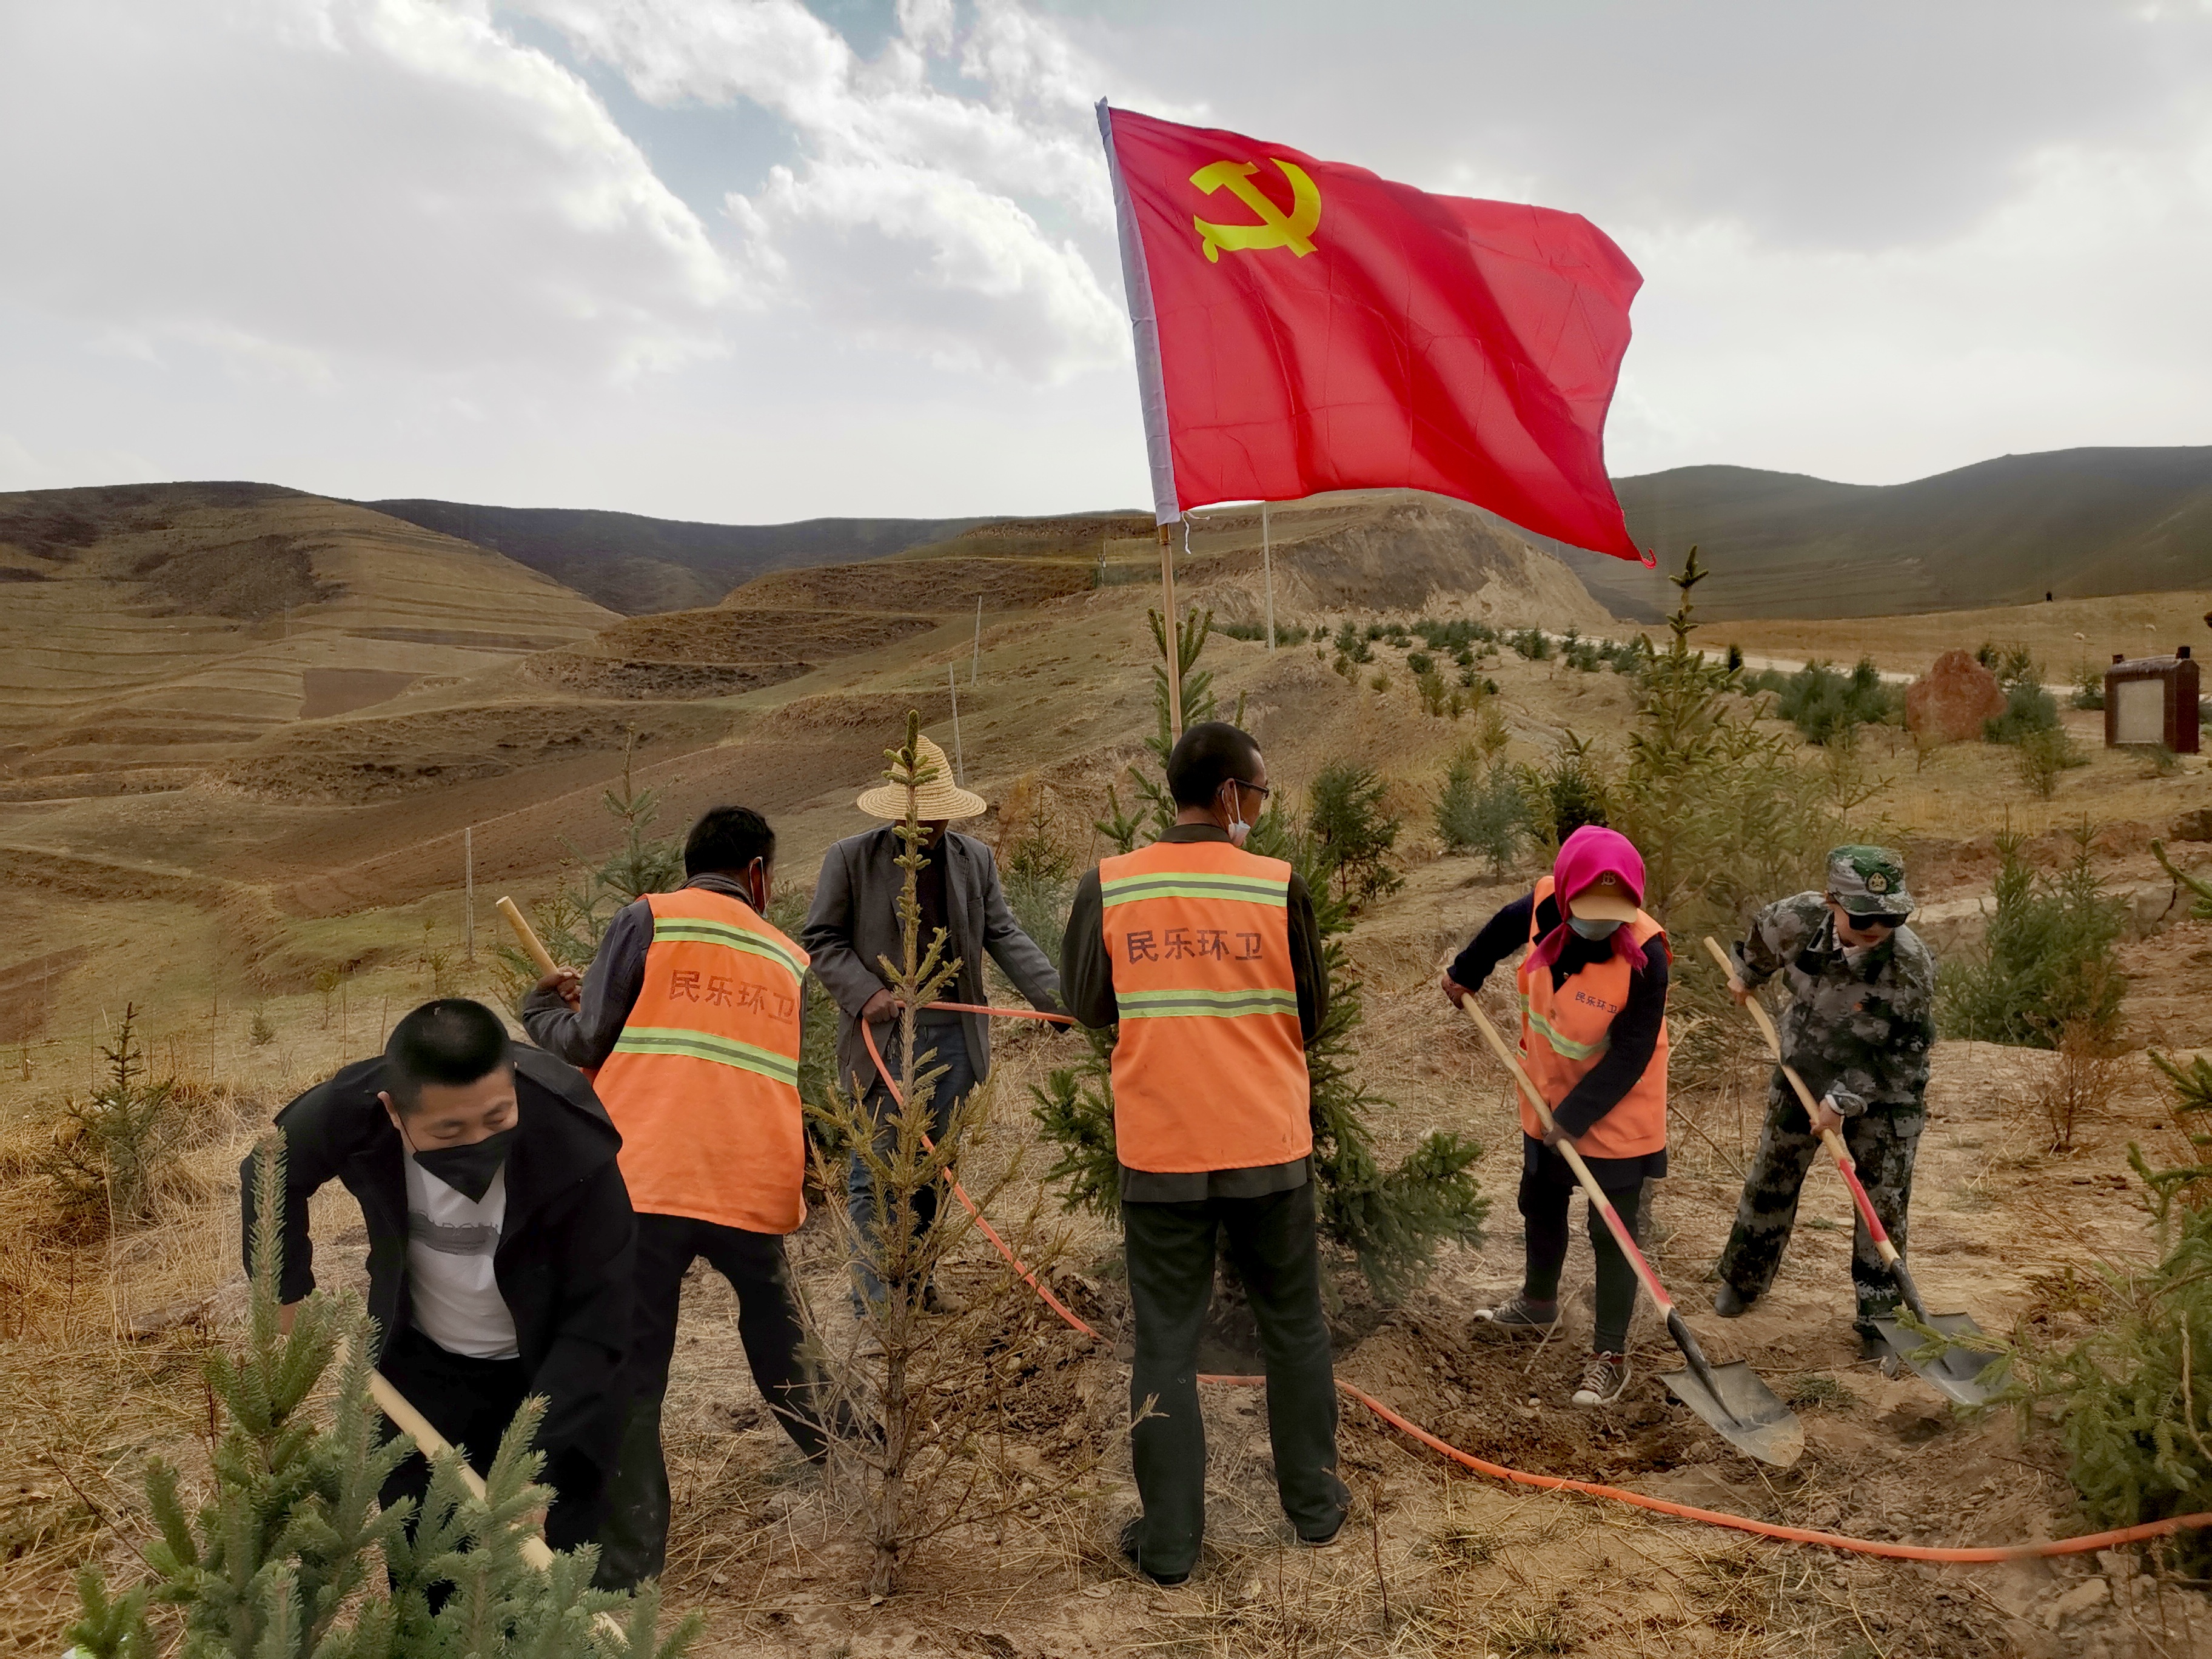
1834, 1541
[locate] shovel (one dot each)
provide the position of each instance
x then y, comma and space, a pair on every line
1730, 1397
1953, 1369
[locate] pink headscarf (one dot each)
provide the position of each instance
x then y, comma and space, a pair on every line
1585, 856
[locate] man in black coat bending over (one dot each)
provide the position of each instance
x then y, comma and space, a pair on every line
500, 1242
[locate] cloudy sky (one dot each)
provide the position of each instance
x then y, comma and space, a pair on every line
746, 260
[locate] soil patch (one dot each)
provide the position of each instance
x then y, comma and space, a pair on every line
341, 690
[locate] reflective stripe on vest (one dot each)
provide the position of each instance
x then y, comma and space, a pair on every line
703, 1082
1210, 1065
1564, 1033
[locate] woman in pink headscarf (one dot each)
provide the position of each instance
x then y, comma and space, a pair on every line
1594, 1040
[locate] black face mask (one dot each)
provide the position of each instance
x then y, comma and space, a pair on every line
469, 1169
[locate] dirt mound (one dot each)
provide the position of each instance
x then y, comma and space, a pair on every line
809, 715
912, 583
354, 762
1505, 1401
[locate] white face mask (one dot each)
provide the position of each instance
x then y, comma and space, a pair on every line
1593, 929
1238, 829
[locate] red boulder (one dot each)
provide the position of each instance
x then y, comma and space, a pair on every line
1949, 702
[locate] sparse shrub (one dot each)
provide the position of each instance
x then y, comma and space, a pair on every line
1380, 683
2131, 1405
1352, 833
1036, 867
2082, 1085
1722, 812
1823, 703
115, 1151
1481, 809
1492, 735
1437, 697
2089, 686
2041, 756
1531, 643
1352, 645
1847, 776
2028, 708
2046, 964
290, 1555
326, 983
258, 1031
1419, 663
1566, 792
2012, 664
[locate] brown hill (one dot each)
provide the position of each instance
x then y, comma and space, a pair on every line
154, 626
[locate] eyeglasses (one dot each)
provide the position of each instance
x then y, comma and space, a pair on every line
1886, 923
1259, 789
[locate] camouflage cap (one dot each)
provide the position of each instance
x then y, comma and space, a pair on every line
1868, 881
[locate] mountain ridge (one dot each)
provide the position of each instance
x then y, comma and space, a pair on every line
2072, 523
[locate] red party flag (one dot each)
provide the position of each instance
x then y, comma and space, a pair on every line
1303, 326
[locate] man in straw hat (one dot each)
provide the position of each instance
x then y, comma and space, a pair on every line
1858, 1028
854, 924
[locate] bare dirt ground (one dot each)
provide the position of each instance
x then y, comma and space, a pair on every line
214, 904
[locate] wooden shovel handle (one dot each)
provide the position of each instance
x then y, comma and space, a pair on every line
1829, 1138
427, 1441
527, 936
1599, 1201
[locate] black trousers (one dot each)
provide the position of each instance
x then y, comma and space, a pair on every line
1546, 1183
1272, 1243
634, 1541
470, 1402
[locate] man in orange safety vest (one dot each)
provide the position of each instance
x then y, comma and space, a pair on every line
1206, 958
689, 1018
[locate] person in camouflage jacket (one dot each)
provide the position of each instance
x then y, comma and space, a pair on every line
1858, 1028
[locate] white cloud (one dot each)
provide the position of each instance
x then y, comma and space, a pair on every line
915, 219
302, 184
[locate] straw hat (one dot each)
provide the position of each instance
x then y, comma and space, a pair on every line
938, 797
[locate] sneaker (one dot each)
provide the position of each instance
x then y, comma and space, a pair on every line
1131, 1534
1729, 1303
1519, 1316
1604, 1376
1327, 1541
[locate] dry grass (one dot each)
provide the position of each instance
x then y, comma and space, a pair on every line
100, 1347
2060, 634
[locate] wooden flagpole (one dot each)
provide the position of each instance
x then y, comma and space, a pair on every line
1174, 632
1267, 575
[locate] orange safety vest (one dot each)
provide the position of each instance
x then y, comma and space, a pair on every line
1210, 1066
704, 1082
1564, 1033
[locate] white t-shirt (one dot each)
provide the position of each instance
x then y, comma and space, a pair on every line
450, 1242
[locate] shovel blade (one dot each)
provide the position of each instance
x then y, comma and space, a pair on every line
1955, 1372
1742, 1409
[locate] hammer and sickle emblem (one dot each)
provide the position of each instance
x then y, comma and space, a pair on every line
1275, 229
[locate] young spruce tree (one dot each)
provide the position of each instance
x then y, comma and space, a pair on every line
290, 1556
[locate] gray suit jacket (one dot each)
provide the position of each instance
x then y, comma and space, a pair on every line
854, 922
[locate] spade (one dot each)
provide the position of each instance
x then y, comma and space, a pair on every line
1951, 1368
1731, 1398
